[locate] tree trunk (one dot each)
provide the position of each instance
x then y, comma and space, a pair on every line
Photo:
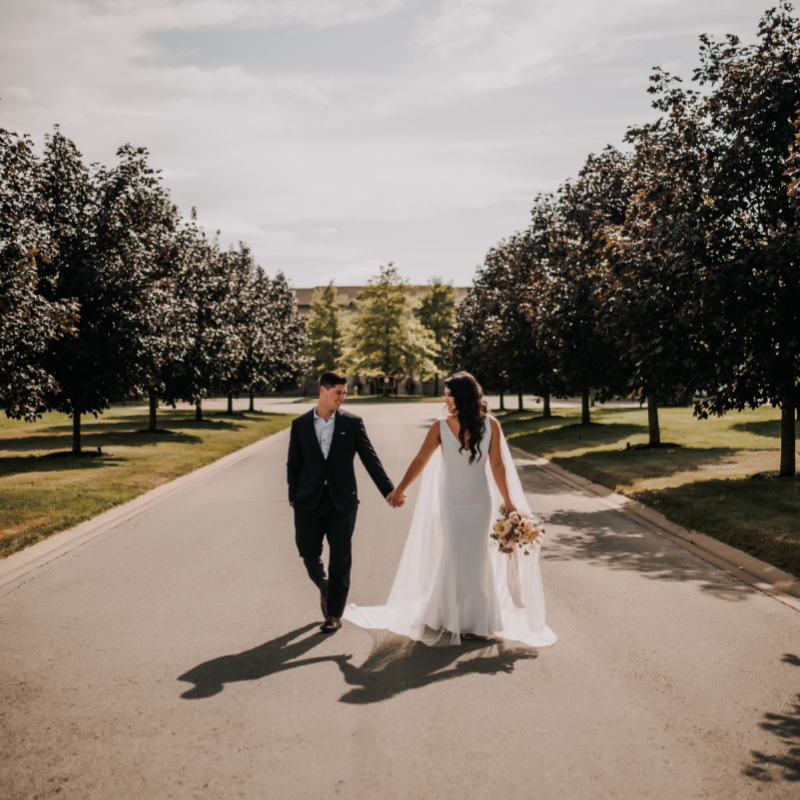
652, 420
436, 385
546, 406
502, 407
230, 405
76, 432
198, 411
585, 415
153, 407
252, 400
788, 466
519, 400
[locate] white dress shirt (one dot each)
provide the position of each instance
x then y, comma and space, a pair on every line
324, 432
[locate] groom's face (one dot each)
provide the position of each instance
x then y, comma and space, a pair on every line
331, 399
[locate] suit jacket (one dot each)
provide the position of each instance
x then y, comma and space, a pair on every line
308, 471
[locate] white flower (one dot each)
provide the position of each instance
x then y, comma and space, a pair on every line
527, 525
502, 527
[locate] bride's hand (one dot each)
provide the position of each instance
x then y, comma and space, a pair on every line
396, 499
509, 508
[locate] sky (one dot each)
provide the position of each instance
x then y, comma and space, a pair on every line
336, 136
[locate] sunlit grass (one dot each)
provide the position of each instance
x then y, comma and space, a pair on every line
41, 495
699, 484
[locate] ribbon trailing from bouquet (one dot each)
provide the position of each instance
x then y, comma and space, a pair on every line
512, 579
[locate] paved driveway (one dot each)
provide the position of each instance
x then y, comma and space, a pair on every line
176, 656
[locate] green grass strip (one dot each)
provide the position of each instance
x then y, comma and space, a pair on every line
41, 494
702, 483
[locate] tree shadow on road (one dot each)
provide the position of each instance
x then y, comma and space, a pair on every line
623, 545
395, 665
786, 765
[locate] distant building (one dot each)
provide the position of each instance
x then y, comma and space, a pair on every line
352, 293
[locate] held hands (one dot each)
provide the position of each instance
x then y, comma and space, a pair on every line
396, 498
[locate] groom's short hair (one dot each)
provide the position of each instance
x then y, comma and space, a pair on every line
331, 379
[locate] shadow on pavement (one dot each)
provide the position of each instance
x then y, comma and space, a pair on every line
785, 766
589, 538
395, 665
252, 665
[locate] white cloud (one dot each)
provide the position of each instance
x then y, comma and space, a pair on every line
178, 174
495, 101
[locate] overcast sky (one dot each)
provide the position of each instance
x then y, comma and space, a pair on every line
334, 136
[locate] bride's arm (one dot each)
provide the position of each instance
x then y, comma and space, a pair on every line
497, 465
432, 441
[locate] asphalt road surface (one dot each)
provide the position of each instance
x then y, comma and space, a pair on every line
177, 656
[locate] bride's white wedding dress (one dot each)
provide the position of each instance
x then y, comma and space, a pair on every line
451, 580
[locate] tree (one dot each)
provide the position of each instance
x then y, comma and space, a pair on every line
30, 322
328, 329
214, 345
652, 303
286, 363
244, 315
273, 336
136, 225
470, 349
386, 339
437, 313
570, 305
109, 228
752, 258
531, 293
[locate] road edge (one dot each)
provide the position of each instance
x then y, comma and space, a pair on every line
752, 571
22, 563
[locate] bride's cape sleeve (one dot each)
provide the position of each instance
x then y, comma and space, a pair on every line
418, 564
518, 578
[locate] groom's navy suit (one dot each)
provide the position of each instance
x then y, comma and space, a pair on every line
324, 495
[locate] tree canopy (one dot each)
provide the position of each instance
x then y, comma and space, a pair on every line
386, 338
328, 329
106, 294
671, 270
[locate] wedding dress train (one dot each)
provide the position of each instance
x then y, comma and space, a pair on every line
450, 580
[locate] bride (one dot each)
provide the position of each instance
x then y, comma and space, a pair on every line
450, 583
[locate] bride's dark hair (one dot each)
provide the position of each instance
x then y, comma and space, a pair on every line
468, 397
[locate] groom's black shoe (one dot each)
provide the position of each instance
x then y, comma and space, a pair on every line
323, 604
331, 625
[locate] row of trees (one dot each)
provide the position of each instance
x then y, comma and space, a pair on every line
388, 333
106, 293
671, 269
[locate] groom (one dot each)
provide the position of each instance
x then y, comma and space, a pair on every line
322, 490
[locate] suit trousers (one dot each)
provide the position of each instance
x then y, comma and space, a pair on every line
311, 528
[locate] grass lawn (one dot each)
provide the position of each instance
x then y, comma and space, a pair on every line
41, 495
701, 484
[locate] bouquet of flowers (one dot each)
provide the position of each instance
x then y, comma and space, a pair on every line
516, 530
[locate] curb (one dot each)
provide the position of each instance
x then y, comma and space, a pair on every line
20, 564
758, 574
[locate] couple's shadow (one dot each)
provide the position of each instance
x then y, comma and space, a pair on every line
395, 664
